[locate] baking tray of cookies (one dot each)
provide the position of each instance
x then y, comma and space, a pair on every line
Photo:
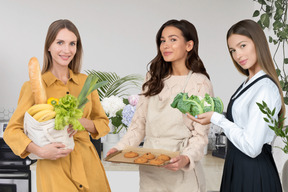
128, 155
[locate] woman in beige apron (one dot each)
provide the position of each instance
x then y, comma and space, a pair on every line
177, 68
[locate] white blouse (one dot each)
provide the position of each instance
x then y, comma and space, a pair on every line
249, 132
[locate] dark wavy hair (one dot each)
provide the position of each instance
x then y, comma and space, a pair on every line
253, 31
160, 69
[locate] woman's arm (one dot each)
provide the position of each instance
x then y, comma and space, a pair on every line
251, 131
254, 131
51, 151
136, 131
14, 134
88, 125
194, 149
98, 125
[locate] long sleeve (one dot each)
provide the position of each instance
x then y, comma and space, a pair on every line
250, 132
14, 135
196, 144
136, 131
98, 117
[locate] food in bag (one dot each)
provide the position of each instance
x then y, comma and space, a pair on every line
47, 121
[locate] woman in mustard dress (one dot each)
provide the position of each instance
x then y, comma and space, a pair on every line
63, 170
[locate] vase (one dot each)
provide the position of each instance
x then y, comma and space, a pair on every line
110, 142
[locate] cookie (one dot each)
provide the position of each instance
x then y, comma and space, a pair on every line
156, 162
164, 157
148, 156
141, 160
131, 154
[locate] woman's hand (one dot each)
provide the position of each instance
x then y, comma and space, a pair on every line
53, 151
88, 125
177, 163
203, 119
71, 131
112, 150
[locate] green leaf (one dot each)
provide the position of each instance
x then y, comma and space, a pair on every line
263, 111
256, 13
278, 4
286, 100
265, 119
262, 2
264, 18
260, 105
271, 127
273, 112
285, 60
264, 104
286, 130
278, 14
285, 86
125, 101
176, 100
282, 83
89, 86
116, 85
277, 24
116, 121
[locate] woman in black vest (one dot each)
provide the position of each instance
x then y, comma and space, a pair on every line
249, 164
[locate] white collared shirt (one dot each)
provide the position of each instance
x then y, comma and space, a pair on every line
249, 132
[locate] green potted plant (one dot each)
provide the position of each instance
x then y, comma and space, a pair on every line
274, 13
117, 86
114, 99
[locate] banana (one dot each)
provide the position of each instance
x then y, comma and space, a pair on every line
39, 107
40, 114
47, 116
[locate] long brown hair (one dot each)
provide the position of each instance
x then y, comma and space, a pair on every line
252, 30
54, 28
160, 69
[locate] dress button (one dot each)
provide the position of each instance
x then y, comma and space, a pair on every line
80, 186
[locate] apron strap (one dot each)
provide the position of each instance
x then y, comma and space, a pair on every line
187, 80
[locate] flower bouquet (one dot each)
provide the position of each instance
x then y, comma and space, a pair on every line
120, 111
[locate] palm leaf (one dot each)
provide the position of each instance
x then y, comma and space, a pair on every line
116, 85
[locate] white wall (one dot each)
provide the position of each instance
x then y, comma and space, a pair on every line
117, 35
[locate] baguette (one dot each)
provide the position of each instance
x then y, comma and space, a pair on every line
37, 87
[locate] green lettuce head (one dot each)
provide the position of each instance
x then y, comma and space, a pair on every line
207, 103
67, 113
218, 105
196, 105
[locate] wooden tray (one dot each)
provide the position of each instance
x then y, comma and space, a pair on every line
118, 157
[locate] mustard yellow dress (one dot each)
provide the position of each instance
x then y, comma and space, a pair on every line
82, 169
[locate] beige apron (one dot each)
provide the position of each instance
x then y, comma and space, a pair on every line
169, 133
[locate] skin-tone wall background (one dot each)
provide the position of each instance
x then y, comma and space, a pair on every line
117, 36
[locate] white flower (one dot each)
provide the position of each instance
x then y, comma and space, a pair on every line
112, 104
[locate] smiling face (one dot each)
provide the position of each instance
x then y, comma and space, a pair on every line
243, 52
63, 48
174, 48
